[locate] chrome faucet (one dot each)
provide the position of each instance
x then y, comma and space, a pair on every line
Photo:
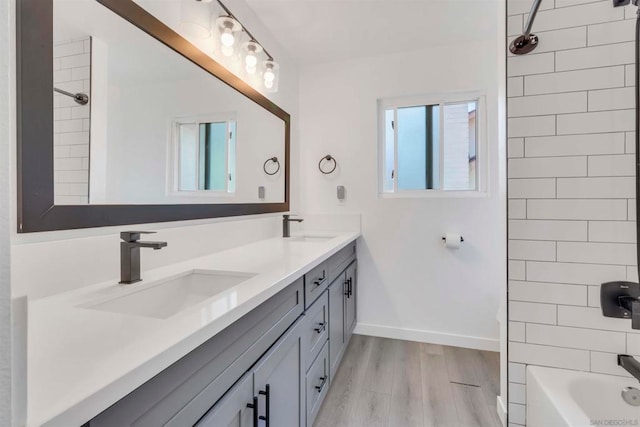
130, 254
286, 224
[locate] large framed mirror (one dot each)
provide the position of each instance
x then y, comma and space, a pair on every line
123, 120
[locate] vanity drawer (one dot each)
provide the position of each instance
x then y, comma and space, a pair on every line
317, 384
182, 393
340, 261
315, 282
316, 330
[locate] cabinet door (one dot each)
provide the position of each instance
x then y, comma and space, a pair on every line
279, 381
336, 322
350, 301
235, 409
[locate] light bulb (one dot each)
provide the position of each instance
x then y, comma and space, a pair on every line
269, 76
226, 38
268, 83
250, 60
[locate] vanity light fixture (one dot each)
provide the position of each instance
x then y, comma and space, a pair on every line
228, 26
194, 15
252, 49
270, 75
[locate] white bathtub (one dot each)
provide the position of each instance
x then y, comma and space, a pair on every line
558, 398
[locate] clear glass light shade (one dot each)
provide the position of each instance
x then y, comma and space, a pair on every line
251, 51
228, 28
195, 19
270, 75
226, 38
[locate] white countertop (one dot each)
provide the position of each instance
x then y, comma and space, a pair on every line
81, 361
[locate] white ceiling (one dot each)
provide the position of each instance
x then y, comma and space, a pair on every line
315, 31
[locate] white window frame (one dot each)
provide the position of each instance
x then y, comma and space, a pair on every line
482, 158
173, 182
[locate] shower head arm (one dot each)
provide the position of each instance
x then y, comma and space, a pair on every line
532, 17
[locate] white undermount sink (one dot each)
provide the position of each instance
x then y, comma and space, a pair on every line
318, 239
164, 298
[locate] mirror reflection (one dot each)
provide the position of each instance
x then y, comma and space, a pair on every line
154, 128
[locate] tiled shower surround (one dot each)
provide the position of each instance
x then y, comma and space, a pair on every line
571, 189
72, 72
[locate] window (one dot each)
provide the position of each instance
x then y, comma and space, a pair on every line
427, 145
204, 155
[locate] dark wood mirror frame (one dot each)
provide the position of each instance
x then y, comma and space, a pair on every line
36, 209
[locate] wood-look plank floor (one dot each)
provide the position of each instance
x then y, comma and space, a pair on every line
391, 383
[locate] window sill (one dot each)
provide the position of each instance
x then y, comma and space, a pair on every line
435, 194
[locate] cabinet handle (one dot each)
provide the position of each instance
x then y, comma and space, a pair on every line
350, 286
321, 386
320, 280
321, 327
346, 289
266, 393
254, 406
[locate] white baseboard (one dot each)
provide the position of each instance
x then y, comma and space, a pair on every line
502, 410
431, 337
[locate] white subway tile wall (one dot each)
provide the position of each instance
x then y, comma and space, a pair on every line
71, 126
571, 188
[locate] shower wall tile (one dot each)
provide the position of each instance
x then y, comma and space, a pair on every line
533, 64
571, 81
575, 145
596, 188
515, 147
548, 230
612, 231
613, 209
548, 167
540, 105
515, 86
532, 250
597, 253
535, 188
612, 99
611, 32
618, 165
72, 60
578, 338
549, 293
574, 273
572, 121
599, 56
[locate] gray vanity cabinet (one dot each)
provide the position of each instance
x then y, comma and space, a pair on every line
235, 409
350, 301
278, 380
336, 324
342, 314
275, 385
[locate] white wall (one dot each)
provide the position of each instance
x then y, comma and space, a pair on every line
6, 128
571, 190
411, 287
138, 151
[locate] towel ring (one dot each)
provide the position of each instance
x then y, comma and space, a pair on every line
328, 158
274, 160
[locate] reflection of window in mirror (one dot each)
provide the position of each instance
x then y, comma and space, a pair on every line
205, 154
429, 144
